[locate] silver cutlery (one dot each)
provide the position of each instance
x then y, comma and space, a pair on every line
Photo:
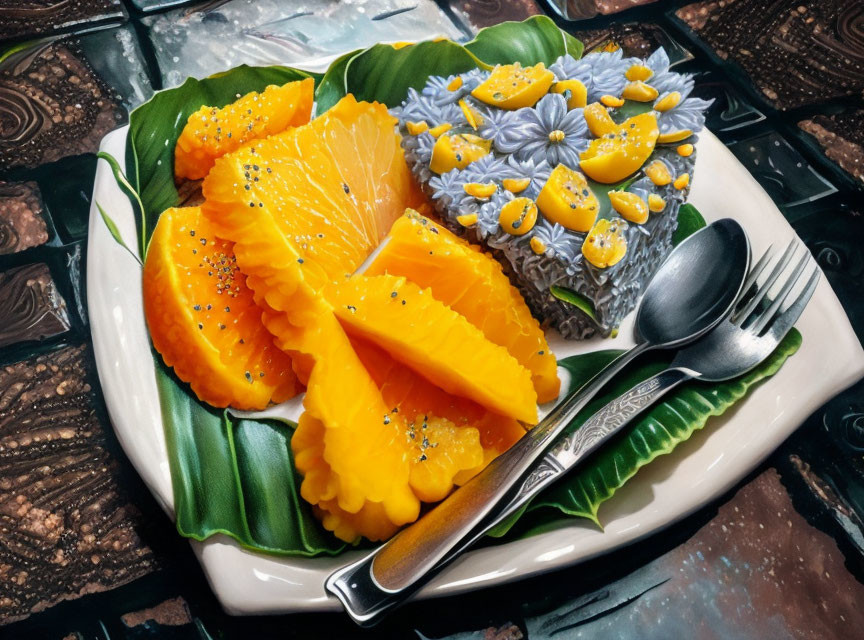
734, 347
694, 289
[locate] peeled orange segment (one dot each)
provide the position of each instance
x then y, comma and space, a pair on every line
473, 284
363, 444
308, 205
418, 400
211, 132
370, 522
441, 450
431, 338
460, 438
203, 319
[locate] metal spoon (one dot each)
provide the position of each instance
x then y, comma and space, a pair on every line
694, 289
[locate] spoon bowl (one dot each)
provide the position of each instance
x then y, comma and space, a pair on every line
695, 287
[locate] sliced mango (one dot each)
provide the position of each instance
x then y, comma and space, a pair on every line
606, 243
457, 151
619, 153
567, 199
512, 86
630, 205
578, 92
518, 216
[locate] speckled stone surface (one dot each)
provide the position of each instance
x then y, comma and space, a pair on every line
758, 569
841, 137
67, 528
22, 225
28, 18
796, 52
52, 105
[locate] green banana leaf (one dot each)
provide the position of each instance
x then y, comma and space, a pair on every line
655, 433
237, 477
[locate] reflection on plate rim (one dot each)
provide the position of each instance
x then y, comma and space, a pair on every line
712, 462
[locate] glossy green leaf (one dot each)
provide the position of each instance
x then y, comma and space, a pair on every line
133, 196
235, 477
535, 40
689, 222
155, 126
576, 299
332, 85
657, 432
385, 74
114, 231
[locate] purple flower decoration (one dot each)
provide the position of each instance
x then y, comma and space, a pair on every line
547, 132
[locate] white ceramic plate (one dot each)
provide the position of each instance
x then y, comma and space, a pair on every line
670, 488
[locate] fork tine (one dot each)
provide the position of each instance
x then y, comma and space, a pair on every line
763, 289
780, 327
766, 316
756, 271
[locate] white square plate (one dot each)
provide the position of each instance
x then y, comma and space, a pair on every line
673, 486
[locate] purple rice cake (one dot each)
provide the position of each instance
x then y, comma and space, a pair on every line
572, 176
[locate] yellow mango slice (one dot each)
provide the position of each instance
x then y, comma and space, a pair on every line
512, 86
606, 244
567, 199
518, 216
457, 151
630, 206
578, 92
474, 285
618, 154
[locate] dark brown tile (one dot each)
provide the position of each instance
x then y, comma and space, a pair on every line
173, 613
28, 18
22, 222
756, 570
841, 137
638, 39
796, 52
66, 527
52, 105
32, 308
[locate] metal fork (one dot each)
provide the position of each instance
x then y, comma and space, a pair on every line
737, 345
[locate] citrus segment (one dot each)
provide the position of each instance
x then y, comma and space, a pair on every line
363, 444
431, 338
308, 205
203, 319
473, 284
211, 132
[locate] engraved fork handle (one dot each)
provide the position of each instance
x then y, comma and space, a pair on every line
598, 429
